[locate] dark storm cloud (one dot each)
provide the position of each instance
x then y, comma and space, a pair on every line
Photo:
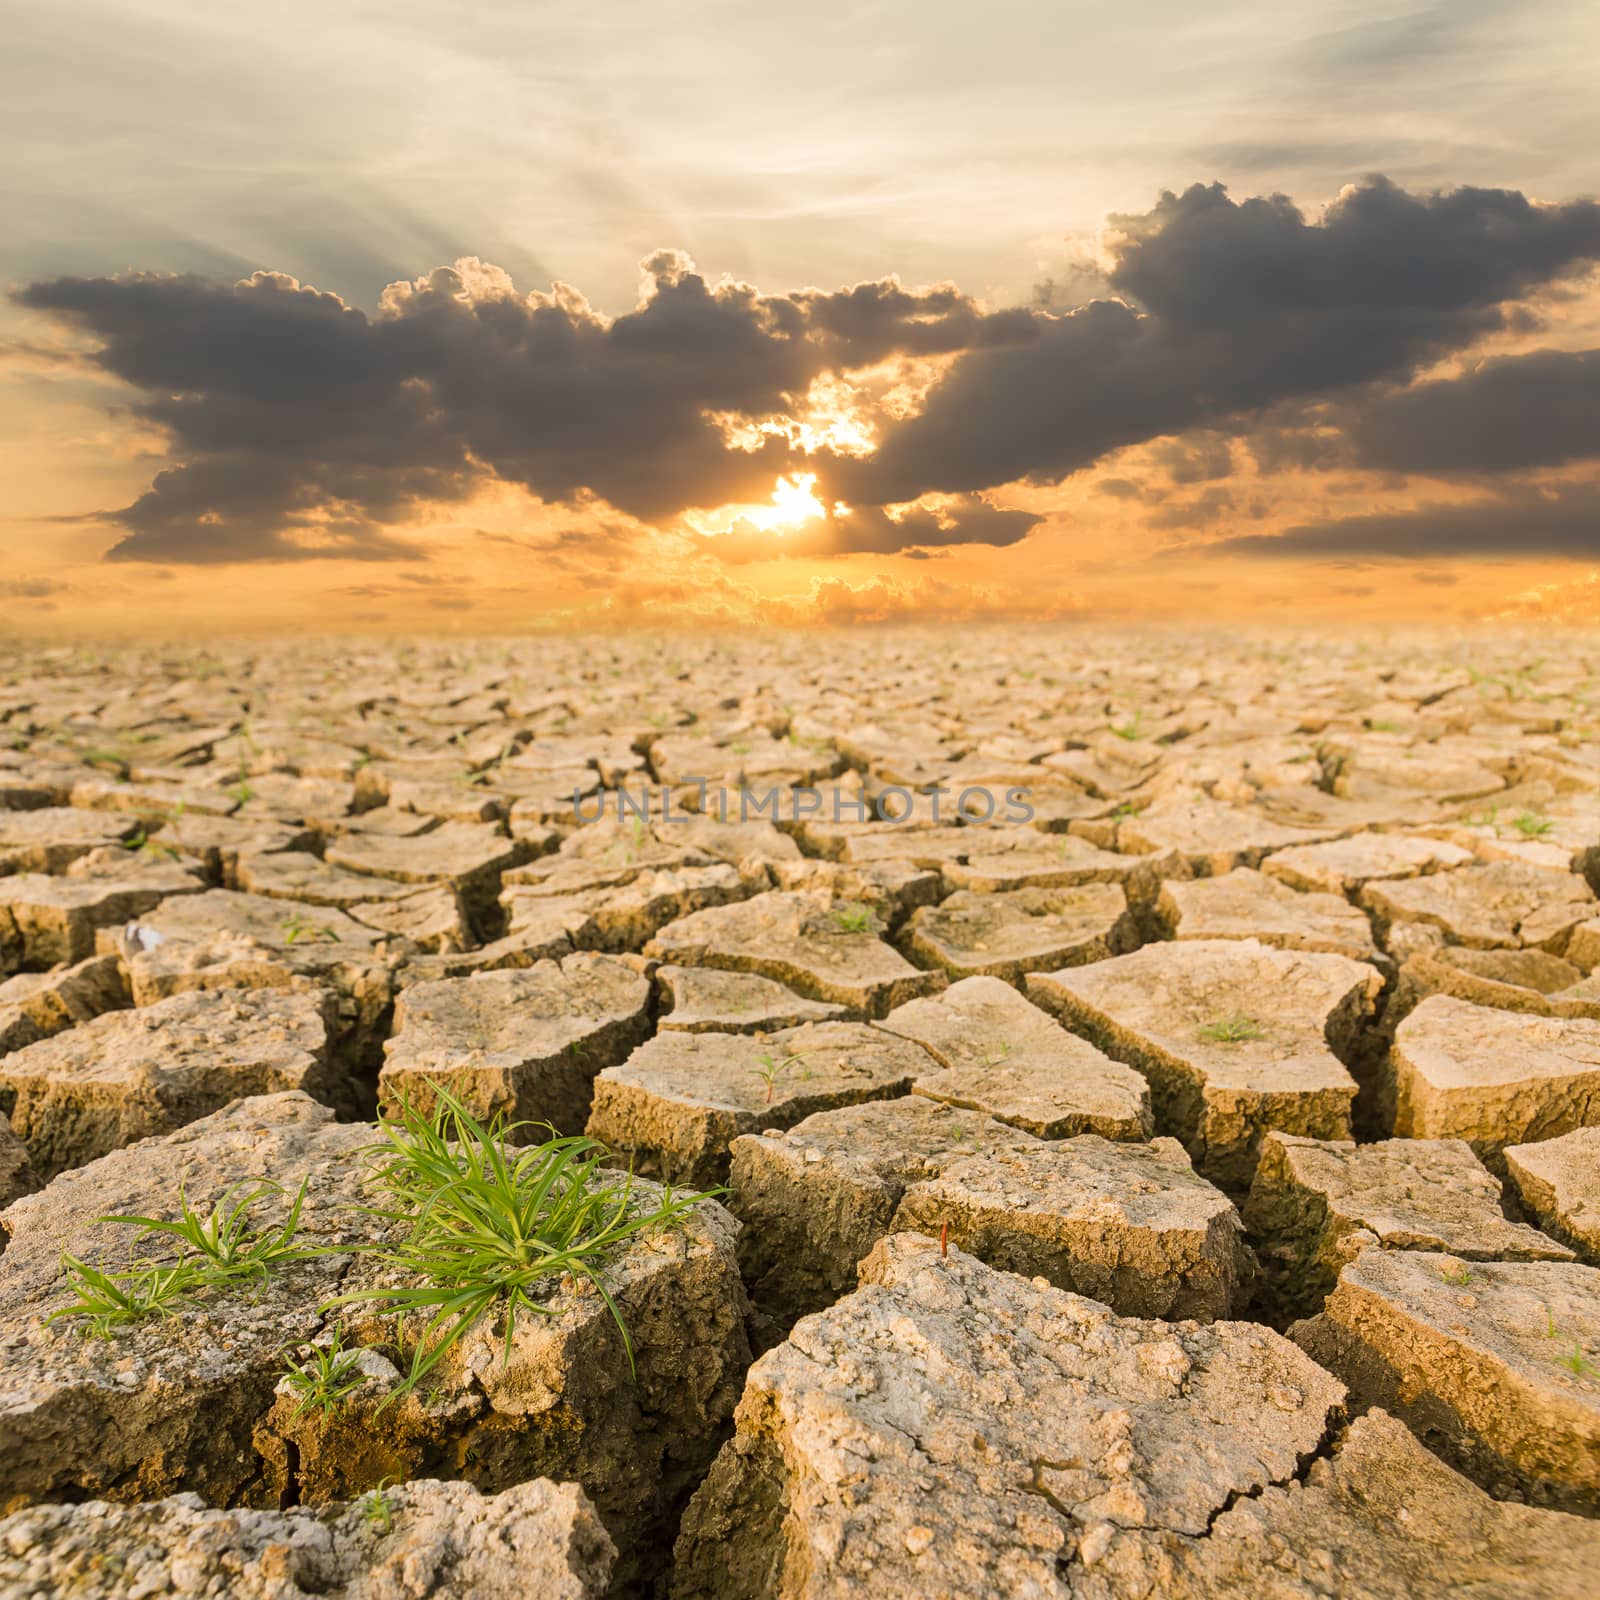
292, 413
1511, 413
1525, 524
1231, 308
869, 530
300, 426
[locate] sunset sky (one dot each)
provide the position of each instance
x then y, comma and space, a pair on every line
510, 315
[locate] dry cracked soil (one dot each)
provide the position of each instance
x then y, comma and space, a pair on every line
1128, 1105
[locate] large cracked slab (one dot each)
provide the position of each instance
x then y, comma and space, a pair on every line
1009, 933
524, 1043
1380, 1518
1494, 1365
196, 1402
1558, 1183
995, 1052
704, 1000
1346, 866
1492, 1077
1316, 1204
950, 1429
1234, 1037
46, 920
1503, 905
49, 838
824, 949
1209, 837
1244, 904
169, 1403
129, 1075
416, 1541
63, 997
676, 1104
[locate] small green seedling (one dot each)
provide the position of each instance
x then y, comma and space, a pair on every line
1531, 825
1130, 729
1550, 1331
328, 1376
223, 1245
1458, 1276
298, 929
1576, 1362
375, 1509
1234, 1028
773, 1067
993, 1058
853, 918
110, 1301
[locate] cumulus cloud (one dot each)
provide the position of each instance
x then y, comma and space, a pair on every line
301, 427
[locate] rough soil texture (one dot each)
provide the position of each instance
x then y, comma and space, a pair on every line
417, 1541
130, 1074
1490, 1363
1243, 904
1006, 934
952, 1429
1558, 1183
1171, 1010
997, 1053
1492, 1077
1320, 909
827, 950
524, 1044
1314, 1205
701, 1000
679, 1101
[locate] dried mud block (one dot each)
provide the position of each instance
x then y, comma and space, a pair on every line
46, 920
1504, 905
50, 838
431, 919
469, 857
624, 915
635, 1425
1210, 838
1492, 1077
64, 996
995, 1052
129, 1075
998, 862
893, 889
1234, 1037
423, 1541
168, 1403
1494, 1365
1244, 904
950, 1429
1010, 933
1346, 866
703, 1000
1316, 1204
17, 1176
1379, 1517
523, 1043
1130, 1225
824, 949
225, 940
676, 1104
815, 1199
1530, 981
1558, 1182
298, 875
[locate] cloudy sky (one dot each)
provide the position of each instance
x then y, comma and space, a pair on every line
532, 314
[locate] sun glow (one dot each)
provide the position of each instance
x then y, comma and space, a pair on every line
794, 503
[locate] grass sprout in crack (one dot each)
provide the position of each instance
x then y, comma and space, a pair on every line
478, 1222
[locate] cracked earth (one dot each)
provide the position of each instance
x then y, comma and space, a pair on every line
1189, 1187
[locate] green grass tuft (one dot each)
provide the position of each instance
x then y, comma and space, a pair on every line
1232, 1029
483, 1226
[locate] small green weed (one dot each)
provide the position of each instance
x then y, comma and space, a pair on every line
1234, 1028
300, 929
325, 1378
854, 918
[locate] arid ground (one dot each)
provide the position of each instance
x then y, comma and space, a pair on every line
1157, 1157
